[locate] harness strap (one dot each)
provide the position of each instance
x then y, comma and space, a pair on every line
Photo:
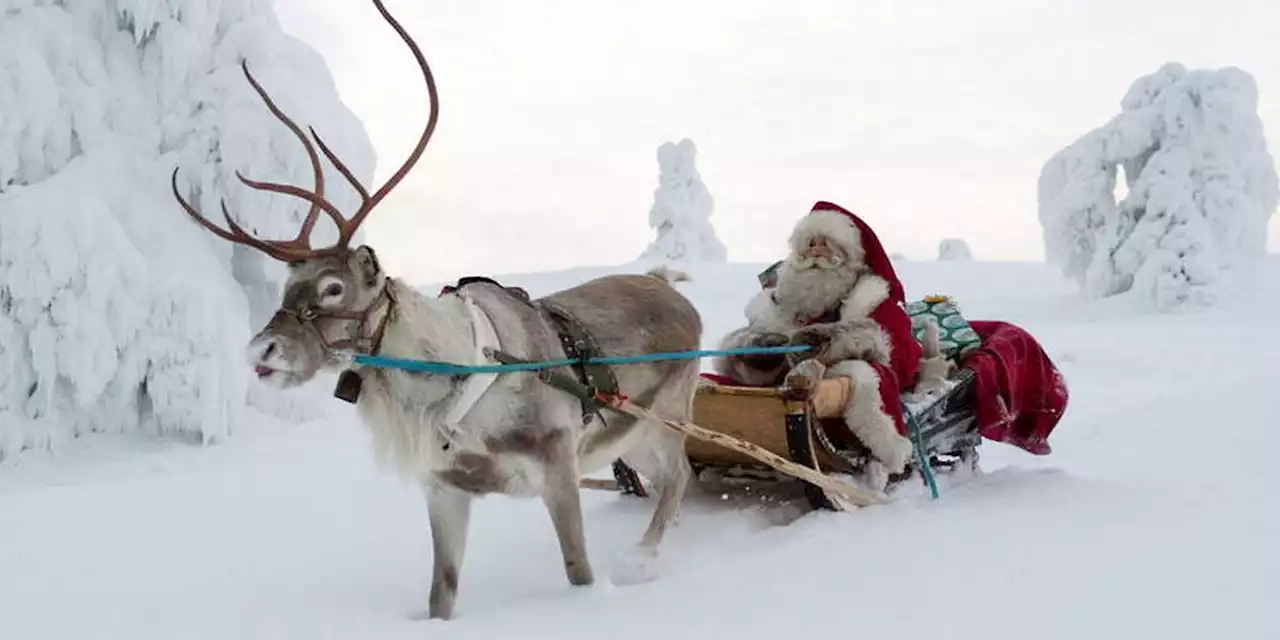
566, 383
349, 382
309, 317
594, 379
596, 385
486, 341
466, 280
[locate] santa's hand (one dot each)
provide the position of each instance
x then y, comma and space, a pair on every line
765, 361
816, 338
770, 339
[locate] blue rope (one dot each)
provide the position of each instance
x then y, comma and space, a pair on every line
921, 459
448, 368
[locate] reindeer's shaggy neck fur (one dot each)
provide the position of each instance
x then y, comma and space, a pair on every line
421, 325
405, 411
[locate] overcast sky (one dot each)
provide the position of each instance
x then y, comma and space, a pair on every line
928, 118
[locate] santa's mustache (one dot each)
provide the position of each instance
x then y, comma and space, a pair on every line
822, 262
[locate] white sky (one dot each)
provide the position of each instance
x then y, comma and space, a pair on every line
928, 118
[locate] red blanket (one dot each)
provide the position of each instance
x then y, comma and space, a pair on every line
1020, 395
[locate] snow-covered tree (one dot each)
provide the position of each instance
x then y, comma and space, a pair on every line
1201, 189
954, 249
681, 211
117, 312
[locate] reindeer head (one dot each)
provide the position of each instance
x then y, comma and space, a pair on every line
335, 299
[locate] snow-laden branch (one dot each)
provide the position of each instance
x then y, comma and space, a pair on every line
117, 313
1201, 189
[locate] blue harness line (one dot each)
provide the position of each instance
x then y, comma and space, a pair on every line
450, 369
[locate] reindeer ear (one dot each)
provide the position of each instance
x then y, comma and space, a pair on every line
366, 264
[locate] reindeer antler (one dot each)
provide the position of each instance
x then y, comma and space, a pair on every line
299, 248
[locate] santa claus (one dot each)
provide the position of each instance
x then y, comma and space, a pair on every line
837, 292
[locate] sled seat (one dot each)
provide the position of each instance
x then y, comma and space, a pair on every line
776, 419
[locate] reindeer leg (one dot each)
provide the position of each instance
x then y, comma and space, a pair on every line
666, 465
560, 495
660, 456
669, 463
449, 512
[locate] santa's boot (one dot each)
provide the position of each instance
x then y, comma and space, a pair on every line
874, 427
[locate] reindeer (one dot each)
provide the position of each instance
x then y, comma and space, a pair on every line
464, 437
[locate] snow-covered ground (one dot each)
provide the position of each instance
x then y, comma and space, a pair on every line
1153, 518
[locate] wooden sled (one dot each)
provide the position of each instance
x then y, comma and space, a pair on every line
799, 422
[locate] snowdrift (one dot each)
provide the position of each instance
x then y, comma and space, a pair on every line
1144, 523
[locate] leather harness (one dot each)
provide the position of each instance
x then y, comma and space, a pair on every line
590, 383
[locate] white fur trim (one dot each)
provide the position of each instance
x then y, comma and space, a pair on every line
760, 306
867, 294
763, 313
867, 418
860, 339
832, 224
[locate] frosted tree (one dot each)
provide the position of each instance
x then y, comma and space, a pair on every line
954, 249
117, 312
681, 211
1201, 189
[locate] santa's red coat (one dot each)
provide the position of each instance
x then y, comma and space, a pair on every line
1018, 394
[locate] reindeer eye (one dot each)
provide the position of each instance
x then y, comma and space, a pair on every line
333, 290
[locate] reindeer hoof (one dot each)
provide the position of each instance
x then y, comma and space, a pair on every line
427, 616
635, 565
579, 574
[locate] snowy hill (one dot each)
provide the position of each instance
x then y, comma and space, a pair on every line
1152, 518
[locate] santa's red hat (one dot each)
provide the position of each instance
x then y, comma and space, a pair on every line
855, 238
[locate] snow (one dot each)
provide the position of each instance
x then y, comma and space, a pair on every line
681, 211
117, 313
1202, 187
954, 249
1151, 519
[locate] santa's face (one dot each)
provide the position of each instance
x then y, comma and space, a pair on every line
820, 253
815, 277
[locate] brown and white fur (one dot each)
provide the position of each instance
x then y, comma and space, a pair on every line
826, 270
523, 437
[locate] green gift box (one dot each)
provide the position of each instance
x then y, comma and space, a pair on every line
955, 336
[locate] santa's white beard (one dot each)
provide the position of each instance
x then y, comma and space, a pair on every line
809, 262
813, 289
